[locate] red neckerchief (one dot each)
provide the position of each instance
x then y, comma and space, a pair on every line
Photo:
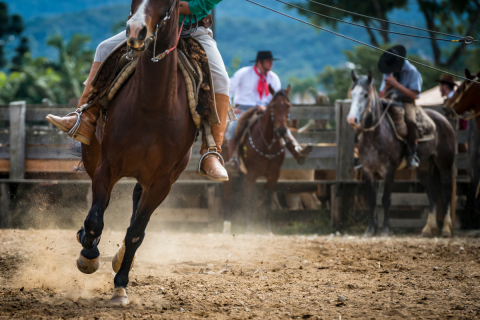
262, 86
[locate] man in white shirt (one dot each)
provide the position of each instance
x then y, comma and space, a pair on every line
249, 89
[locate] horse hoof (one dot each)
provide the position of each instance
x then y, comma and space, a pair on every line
446, 234
119, 297
88, 266
118, 259
368, 235
426, 235
385, 234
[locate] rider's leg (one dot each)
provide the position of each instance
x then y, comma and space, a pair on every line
211, 165
412, 136
299, 153
86, 129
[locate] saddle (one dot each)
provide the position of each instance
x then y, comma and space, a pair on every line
396, 116
114, 72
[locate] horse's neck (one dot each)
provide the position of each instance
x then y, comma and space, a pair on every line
376, 116
267, 125
158, 81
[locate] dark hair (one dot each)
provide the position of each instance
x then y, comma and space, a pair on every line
449, 85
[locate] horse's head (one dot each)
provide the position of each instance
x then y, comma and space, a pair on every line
363, 93
148, 16
464, 98
280, 110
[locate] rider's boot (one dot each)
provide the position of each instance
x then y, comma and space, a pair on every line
412, 145
88, 118
211, 166
300, 154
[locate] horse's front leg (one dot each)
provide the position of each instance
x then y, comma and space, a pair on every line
118, 257
270, 187
150, 199
372, 202
386, 201
250, 200
89, 235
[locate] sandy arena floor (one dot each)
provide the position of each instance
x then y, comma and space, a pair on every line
180, 276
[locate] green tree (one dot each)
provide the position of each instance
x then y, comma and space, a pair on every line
33, 83
303, 87
73, 65
10, 27
19, 60
375, 8
460, 17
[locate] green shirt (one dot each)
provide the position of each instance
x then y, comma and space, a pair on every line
201, 8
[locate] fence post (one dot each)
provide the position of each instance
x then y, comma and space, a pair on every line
343, 194
470, 219
17, 139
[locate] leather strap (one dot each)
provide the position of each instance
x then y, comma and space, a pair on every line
205, 22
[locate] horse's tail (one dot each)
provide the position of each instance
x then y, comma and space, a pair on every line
453, 202
75, 148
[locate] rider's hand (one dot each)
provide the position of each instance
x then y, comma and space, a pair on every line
391, 81
262, 108
184, 8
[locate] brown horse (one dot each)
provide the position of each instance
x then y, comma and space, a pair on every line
381, 153
148, 136
262, 153
466, 98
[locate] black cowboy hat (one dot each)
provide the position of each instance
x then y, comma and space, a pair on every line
389, 63
264, 55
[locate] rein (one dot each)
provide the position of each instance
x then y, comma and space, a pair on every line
160, 26
372, 128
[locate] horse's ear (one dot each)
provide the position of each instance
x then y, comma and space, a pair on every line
468, 75
272, 92
370, 77
287, 91
354, 76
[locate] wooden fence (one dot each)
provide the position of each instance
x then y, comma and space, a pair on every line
29, 145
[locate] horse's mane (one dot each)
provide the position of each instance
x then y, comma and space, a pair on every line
281, 92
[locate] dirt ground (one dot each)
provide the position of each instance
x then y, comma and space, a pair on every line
181, 275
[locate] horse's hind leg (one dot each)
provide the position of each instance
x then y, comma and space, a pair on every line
149, 201
372, 201
118, 257
445, 199
427, 178
89, 235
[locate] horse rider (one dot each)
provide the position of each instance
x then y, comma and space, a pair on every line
249, 88
211, 164
447, 86
403, 83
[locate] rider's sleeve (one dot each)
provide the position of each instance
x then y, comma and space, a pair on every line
202, 7
382, 87
276, 83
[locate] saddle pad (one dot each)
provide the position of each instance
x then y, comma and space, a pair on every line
425, 125
192, 61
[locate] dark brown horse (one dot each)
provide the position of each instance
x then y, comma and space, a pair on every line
381, 154
148, 136
467, 98
262, 153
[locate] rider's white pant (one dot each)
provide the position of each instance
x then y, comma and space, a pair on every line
221, 81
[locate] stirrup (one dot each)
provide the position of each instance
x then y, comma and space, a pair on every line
73, 132
210, 151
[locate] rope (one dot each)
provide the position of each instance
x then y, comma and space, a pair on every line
362, 43
466, 40
470, 39
372, 128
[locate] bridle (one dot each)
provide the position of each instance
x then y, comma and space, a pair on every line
390, 102
269, 146
159, 27
468, 85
